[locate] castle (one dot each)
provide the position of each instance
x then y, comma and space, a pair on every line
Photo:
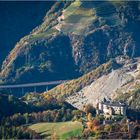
107, 107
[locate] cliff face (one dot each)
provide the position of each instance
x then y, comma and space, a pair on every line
74, 38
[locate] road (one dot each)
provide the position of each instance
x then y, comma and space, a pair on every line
32, 84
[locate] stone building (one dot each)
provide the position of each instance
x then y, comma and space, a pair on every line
108, 107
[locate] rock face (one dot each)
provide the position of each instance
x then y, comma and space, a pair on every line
74, 38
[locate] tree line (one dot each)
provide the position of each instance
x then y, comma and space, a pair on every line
14, 132
60, 115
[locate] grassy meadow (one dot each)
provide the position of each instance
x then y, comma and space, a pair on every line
61, 130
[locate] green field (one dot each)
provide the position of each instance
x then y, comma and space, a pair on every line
61, 130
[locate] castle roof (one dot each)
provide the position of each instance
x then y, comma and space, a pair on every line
110, 103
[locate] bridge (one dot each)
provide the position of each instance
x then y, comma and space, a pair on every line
31, 85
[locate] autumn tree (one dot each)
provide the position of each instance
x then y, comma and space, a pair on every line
89, 109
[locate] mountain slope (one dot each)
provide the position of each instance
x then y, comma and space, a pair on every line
71, 42
119, 83
18, 18
73, 86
